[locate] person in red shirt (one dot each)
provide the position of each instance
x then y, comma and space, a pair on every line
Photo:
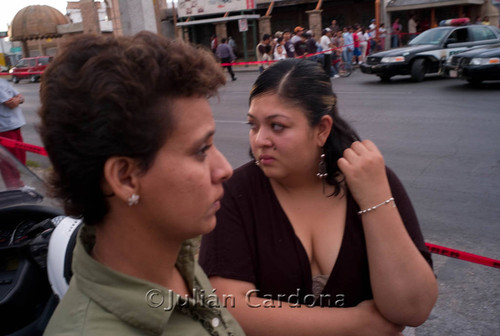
213, 43
357, 49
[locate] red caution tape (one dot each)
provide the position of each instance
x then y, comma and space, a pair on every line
248, 63
474, 258
446, 251
273, 61
21, 145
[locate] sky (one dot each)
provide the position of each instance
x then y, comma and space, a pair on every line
9, 9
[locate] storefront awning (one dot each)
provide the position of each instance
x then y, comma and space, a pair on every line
219, 19
402, 5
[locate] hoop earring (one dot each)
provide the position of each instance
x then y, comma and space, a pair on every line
133, 199
322, 174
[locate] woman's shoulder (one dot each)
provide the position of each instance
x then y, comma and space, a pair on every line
79, 315
247, 170
71, 316
246, 179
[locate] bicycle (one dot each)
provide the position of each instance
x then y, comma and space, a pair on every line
344, 70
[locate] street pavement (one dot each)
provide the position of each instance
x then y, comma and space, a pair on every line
442, 138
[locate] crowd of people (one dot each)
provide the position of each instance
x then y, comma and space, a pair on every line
484, 21
351, 44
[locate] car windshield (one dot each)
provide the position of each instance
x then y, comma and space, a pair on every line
431, 36
19, 185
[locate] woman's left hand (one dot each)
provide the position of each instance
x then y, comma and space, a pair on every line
364, 170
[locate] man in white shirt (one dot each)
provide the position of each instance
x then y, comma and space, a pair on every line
11, 120
326, 44
372, 33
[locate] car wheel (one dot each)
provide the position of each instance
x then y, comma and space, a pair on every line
33, 78
418, 70
385, 78
15, 80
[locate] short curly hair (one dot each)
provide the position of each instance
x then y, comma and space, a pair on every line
110, 96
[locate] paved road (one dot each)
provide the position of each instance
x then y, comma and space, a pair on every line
442, 137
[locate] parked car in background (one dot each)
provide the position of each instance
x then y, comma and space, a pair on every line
475, 65
427, 52
30, 64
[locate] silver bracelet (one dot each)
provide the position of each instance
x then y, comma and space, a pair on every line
361, 212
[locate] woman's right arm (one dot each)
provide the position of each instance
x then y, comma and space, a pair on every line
257, 317
14, 101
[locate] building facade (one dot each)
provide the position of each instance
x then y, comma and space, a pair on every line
246, 26
314, 15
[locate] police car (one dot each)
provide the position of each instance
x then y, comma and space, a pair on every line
475, 65
427, 52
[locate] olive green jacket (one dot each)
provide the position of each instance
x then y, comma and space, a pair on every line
101, 301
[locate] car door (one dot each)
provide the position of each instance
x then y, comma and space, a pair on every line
459, 40
482, 35
32, 63
41, 64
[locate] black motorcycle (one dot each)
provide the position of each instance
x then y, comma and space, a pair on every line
36, 245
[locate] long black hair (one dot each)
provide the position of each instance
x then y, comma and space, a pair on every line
305, 84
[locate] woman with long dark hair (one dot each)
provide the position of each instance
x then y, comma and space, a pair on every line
316, 236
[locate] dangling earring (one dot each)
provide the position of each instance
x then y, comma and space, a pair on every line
322, 174
133, 199
257, 162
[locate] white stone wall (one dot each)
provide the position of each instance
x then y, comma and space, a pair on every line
137, 15
105, 23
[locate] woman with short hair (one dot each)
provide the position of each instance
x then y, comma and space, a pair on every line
129, 130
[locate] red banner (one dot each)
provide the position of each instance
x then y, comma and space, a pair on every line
449, 252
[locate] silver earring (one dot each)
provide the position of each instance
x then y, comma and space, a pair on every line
322, 174
257, 162
133, 199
